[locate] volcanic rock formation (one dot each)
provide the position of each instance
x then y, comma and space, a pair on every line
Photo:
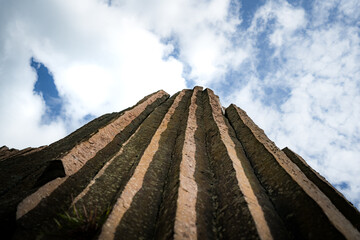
169, 167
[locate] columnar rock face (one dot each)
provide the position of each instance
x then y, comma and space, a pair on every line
179, 167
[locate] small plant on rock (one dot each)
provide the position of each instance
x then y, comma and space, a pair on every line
81, 223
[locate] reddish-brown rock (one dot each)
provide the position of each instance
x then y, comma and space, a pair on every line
178, 167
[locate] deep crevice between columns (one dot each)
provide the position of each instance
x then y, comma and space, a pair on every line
139, 221
167, 211
208, 208
62, 197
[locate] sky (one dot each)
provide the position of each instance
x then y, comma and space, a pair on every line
293, 66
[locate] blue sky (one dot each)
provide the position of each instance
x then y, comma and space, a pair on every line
292, 65
46, 88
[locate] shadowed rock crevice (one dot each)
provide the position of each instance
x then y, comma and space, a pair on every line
207, 205
60, 200
337, 198
275, 224
25, 165
20, 167
234, 218
288, 197
137, 223
165, 219
107, 188
54, 169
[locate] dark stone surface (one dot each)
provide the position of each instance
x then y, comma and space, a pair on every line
166, 215
293, 205
60, 199
207, 205
337, 199
137, 223
222, 212
53, 170
233, 215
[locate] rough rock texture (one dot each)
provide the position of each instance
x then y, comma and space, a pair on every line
6, 153
178, 167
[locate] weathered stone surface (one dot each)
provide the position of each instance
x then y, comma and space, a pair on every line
82, 152
185, 216
257, 202
20, 174
54, 169
6, 153
296, 198
182, 167
347, 209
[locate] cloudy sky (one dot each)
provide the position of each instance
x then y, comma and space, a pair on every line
294, 66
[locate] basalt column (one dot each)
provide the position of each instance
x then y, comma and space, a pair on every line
170, 167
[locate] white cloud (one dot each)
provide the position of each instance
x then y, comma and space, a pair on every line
316, 59
284, 18
343, 10
20, 109
96, 55
202, 30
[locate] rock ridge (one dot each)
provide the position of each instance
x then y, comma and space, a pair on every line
170, 167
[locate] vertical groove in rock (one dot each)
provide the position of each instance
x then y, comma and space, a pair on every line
86, 150
336, 197
185, 216
243, 183
137, 223
23, 169
137, 179
167, 211
207, 198
233, 219
288, 187
20, 174
273, 221
101, 172
60, 200
104, 192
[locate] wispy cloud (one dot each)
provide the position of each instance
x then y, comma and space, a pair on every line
313, 58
